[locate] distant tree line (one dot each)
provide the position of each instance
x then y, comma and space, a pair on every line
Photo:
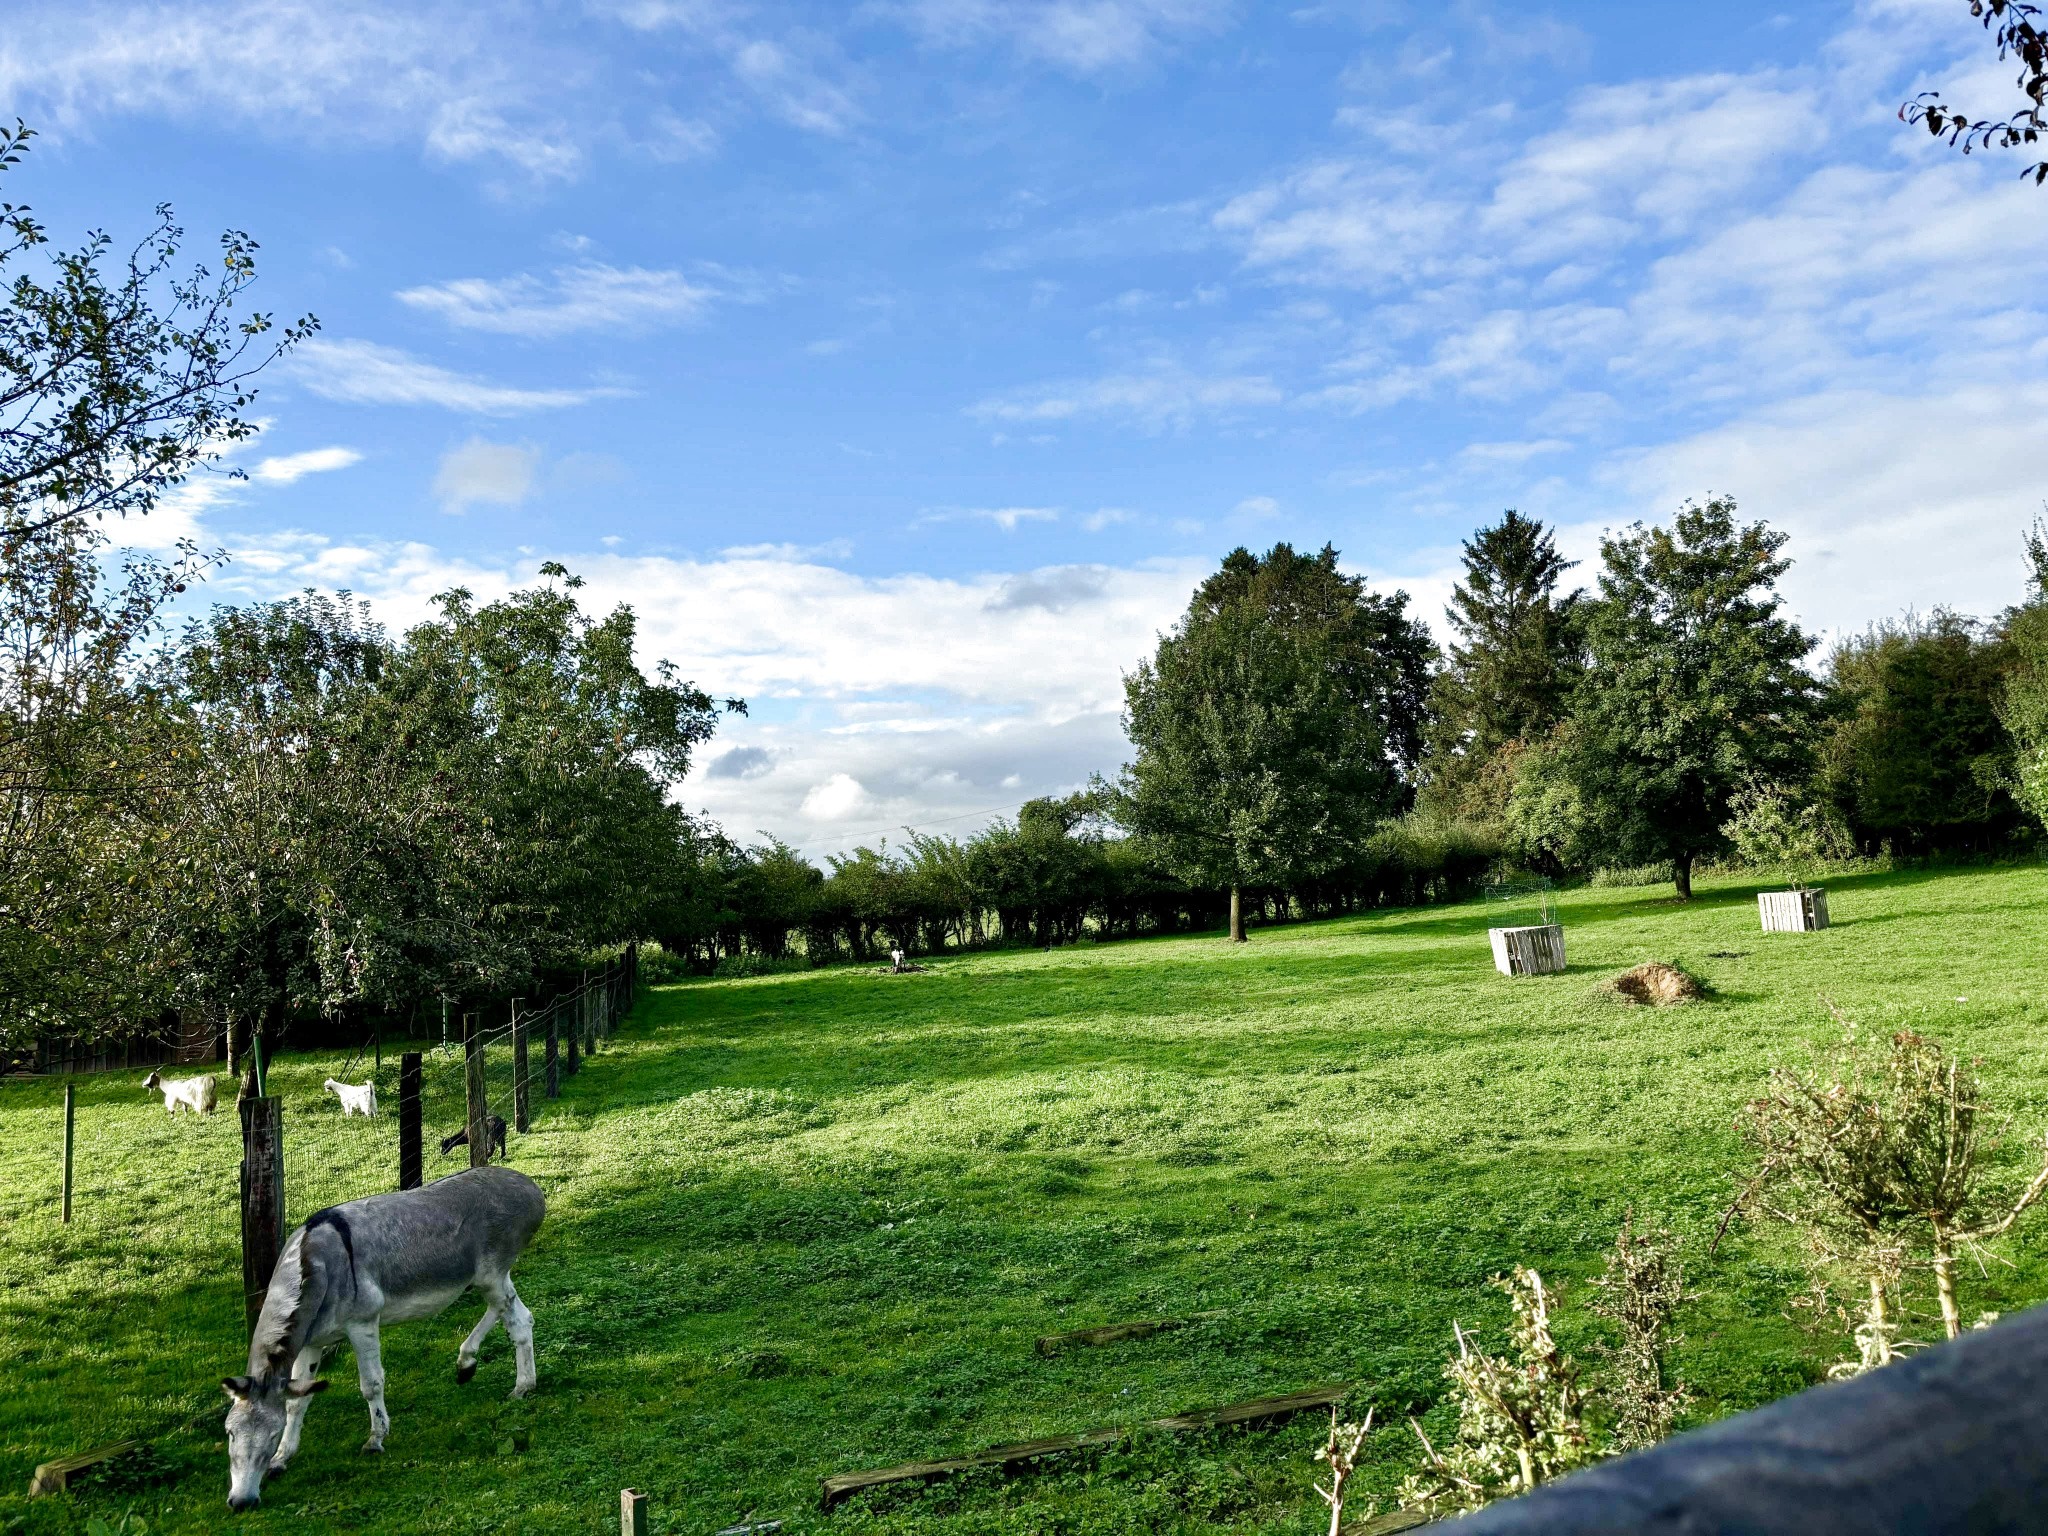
1302, 748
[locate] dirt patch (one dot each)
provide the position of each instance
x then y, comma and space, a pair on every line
1657, 984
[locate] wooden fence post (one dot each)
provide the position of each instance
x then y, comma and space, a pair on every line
70, 1121
262, 1199
473, 1091
554, 1054
632, 1513
574, 1064
521, 1122
409, 1120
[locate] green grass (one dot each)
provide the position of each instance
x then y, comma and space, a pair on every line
809, 1223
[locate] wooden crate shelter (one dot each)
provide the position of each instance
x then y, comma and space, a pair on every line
1533, 951
1793, 911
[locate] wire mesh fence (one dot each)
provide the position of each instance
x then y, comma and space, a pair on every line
342, 1119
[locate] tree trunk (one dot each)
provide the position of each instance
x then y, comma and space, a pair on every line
1681, 876
1236, 915
1880, 1325
1945, 1281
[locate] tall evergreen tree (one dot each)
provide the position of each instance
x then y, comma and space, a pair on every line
1694, 685
1517, 656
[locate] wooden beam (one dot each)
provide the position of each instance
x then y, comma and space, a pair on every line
55, 1476
1113, 1333
1393, 1521
632, 1513
1265, 1410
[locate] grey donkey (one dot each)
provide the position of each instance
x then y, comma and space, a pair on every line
352, 1268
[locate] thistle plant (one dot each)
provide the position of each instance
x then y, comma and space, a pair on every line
1521, 1417
1640, 1293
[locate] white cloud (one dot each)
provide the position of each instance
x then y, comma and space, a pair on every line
456, 79
366, 373
1105, 517
1085, 37
1892, 501
283, 469
1156, 399
836, 799
1006, 518
1257, 507
587, 297
477, 472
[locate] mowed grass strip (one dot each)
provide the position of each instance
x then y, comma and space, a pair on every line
813, 1223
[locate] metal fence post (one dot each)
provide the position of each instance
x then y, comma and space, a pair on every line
409, 1120
70, 1121
554, 1067
473, 1091
262, 1200
520, 1120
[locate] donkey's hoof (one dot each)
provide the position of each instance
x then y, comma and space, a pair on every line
464, 1372
373, 1447
276, 1468
519, 1392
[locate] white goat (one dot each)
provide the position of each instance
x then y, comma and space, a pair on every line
355, 1099
197, 1094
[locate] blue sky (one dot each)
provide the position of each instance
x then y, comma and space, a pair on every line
904, 363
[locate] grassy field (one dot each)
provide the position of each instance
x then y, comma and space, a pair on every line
811, 1223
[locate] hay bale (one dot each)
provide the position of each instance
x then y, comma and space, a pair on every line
1657, 984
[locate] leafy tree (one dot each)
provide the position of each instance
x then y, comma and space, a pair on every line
288, 788
1514, 663
2016, 29
87, 941
1694, 685
1273, 725
2023, 704
114, 388
563, 753
1772, 829
1917, 757
1383, 656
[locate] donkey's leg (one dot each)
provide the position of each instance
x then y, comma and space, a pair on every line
303, 1370
495, 1292
363, 1339
519, 1324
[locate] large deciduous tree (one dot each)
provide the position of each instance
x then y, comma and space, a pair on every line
1917, 757
1273, 724
114, 386
1694, 685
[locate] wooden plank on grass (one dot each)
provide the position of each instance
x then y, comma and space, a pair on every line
55, 1476
1115, 1333
1264, 1410
1392, 1521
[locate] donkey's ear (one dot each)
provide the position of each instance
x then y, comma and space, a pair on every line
307, 1389
236, 1386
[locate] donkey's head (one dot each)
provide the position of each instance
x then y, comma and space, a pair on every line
255, 1428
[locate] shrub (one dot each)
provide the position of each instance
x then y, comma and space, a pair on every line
1628, 875
738, 967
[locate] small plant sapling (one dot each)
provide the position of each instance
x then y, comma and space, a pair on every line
1340, 1454
1641, 1292
1771, 830
1879, 1169
1521, 1419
